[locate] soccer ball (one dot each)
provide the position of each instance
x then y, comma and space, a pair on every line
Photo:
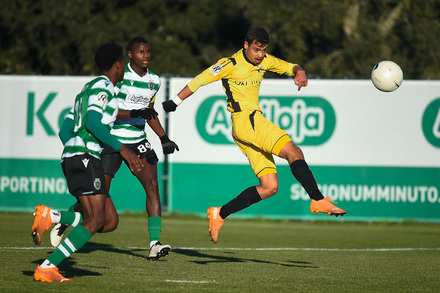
387, 76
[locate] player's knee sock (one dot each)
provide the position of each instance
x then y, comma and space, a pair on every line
71, 218
154, 228
246, 198
74, 241
302, 173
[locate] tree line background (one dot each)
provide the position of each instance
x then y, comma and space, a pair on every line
330, 39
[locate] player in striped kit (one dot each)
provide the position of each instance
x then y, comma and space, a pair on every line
136, 95
82, 137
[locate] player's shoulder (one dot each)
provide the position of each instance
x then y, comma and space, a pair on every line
153, 77
224, 65
152, 74
230, 61
272, 59
101, 86
101, 82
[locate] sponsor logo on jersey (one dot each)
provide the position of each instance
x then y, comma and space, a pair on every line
137, 99
216, 69
431, 123
307, 120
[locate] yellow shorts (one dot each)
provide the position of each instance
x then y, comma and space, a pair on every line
258, 138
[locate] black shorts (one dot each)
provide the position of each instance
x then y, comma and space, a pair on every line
112, 159
84, 175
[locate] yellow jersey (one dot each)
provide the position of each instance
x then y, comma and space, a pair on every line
241, 79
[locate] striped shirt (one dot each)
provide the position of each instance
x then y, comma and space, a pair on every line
95, 96
133, 93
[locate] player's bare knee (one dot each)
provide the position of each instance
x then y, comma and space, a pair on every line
152, 190
111, 226
273, 190
268, 190
96, 222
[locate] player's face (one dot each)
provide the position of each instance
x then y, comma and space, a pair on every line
140, 56
255, 52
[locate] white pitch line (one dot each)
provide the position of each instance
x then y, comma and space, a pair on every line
189, 281
244, 248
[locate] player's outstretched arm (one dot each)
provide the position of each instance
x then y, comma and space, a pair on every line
171, 105
300, 77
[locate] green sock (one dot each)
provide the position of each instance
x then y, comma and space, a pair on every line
154, 227
70, 218
74, 241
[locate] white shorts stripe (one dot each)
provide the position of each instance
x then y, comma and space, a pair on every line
77, 219
63, 250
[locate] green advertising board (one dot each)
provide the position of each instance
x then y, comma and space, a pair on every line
26, 183
376, 154
366, 193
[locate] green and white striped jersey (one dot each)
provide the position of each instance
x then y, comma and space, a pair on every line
95, 95
133, 93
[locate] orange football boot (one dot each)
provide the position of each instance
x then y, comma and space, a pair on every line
325, 206
215, 223
50, 275
42, 222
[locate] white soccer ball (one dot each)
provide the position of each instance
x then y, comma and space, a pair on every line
387, 76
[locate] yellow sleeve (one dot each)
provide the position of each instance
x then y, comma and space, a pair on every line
215, 72
197, 82
280, 66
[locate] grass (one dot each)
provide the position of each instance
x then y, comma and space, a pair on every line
251, 256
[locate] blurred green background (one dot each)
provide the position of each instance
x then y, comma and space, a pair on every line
330, 39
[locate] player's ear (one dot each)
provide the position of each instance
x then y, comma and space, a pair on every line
246, 45
130, 54
120, 63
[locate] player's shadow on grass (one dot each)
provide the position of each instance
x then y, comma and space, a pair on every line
67, 269
92, 246
208, 258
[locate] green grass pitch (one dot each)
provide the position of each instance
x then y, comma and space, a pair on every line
251, 256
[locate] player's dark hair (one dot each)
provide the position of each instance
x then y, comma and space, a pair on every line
107, 55
136, 40
257, 34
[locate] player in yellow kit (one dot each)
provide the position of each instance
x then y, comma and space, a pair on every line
258, 138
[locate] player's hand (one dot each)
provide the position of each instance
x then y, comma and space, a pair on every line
146, 113
301, 79
168, 146
134, 162
169, 106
